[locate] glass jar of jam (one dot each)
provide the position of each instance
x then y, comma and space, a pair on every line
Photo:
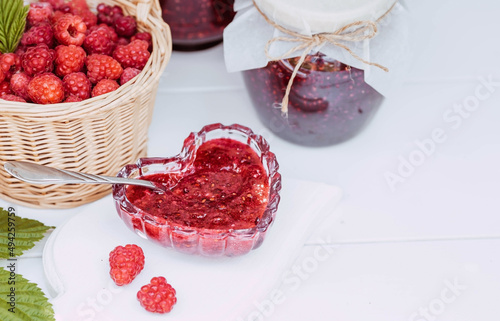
197, 24
329, 102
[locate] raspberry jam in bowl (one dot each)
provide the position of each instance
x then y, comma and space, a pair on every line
197, 24
329, 102
222, 194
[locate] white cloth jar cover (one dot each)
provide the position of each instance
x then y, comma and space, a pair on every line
246, 38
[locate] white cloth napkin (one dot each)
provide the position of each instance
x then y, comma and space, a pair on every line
222, 289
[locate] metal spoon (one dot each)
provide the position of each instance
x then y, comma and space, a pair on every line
41, 174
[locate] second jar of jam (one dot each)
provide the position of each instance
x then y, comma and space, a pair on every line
197, 24
329, 102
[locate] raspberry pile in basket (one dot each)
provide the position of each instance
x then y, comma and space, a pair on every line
69, 53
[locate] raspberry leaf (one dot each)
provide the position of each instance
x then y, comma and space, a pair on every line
12, 23
18, 234
22, 300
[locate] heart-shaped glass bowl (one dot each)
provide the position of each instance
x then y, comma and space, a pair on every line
201, 241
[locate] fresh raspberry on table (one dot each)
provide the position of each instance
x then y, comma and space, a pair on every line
10, 63
99, 41
41, 33
69, 59
12, 98
72, 99
135, 54
146, 36
103, 67
104, 86
158, 296
77, 84
19, 85
126, 262
39, 12
46, 88
70, 30
37, 60
125, 26
128, 74
5, 88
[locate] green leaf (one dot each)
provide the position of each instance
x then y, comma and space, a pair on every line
18, 234
13, 15
29, 302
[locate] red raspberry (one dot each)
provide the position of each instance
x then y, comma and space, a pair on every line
99, 41
39, 12
104, 86
56, 4
2, 75
19, 85
46, 89
122, 41
21, 49
73, 99
134, 55
126, 263
103, 8
102, 67
10, 63
158, 296
77, 84
41, 33
146, 36
116, 11
69, 59
37, 60
12, 98
125, 26
56, 16
109, 30
128, 74
70, 30
65, 9
5, 88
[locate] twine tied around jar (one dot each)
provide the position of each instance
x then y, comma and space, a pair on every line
353, 32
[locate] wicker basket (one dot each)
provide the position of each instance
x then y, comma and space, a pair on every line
98, 135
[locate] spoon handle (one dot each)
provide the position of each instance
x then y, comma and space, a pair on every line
41, 174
